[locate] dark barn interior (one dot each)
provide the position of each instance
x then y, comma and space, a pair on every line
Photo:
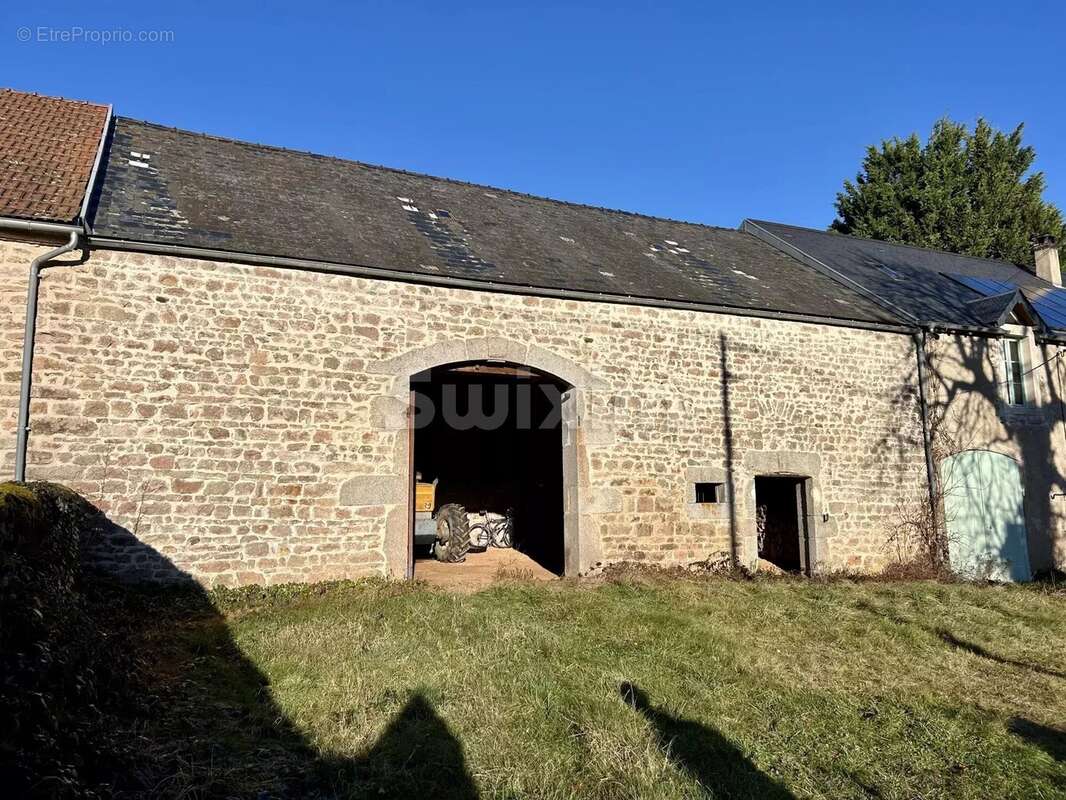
491, 434
780, 504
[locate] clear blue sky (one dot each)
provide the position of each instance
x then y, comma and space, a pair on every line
685, 110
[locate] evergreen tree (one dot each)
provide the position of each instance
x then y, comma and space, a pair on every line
966, 192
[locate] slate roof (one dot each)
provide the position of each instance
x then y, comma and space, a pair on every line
47, 150
915, 280
996, 309
163, 185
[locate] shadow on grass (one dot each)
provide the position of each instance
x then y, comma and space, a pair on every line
1051, 740
416, 756
703, 753
206, 723
950, 639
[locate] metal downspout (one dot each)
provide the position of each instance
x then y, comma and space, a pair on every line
927, 439
23, 428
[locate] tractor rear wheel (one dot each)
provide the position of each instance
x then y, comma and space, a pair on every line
453, 535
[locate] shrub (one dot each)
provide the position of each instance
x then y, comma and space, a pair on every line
54, 659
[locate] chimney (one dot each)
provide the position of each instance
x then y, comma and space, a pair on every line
1046, 259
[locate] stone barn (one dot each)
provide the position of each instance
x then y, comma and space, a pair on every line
249, 356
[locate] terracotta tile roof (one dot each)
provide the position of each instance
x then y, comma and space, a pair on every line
47, 149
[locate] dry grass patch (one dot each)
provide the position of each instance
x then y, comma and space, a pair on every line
637, 687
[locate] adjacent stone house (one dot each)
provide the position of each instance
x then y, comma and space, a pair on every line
234, 357
990, 332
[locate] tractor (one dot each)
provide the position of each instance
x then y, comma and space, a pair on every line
450, 532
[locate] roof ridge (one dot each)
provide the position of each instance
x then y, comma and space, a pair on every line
996, 296
53, 97
399, 171
894, 244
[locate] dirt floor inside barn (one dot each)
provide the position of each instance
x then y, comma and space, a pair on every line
481, 570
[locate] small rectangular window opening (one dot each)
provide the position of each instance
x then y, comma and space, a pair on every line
1014, 366
710, 492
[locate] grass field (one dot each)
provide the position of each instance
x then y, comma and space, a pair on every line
638, 687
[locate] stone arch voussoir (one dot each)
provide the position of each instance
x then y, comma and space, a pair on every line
390, 410
452, 351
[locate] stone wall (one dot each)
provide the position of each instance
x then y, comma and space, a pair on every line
14, 274
222, 415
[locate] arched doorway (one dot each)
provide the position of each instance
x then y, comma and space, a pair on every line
984, 507
487, 435
391, 414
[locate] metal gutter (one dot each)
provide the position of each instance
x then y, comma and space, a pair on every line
33, 226
936, 329
83, 214
103, 243
23, 425
778, 243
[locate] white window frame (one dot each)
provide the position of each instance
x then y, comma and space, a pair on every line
1011, 387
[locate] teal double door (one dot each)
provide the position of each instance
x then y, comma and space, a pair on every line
984, 506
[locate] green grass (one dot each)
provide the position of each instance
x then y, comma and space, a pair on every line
769, 688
